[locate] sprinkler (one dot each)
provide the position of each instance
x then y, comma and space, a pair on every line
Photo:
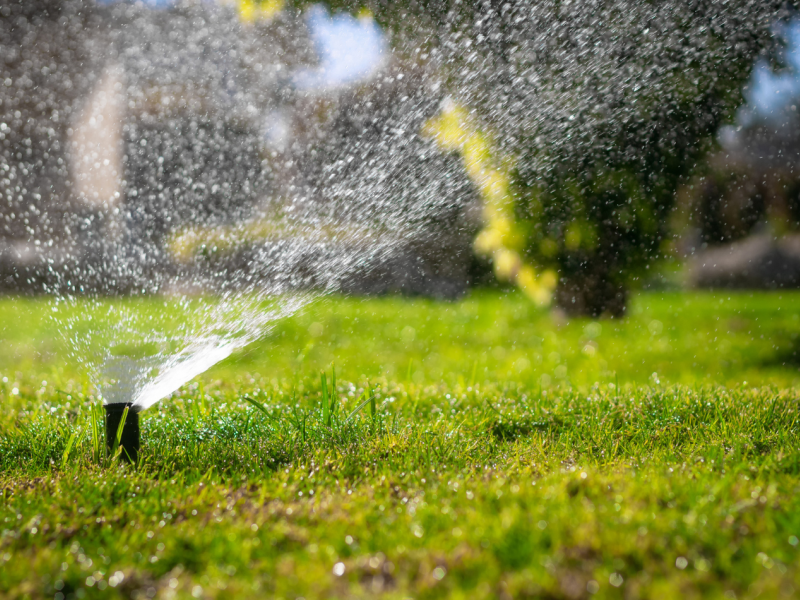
129, 440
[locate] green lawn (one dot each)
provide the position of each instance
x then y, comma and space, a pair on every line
510, 454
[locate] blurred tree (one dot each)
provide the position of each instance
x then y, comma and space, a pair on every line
606, 105
500, 240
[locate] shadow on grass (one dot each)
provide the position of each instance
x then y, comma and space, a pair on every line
786, 353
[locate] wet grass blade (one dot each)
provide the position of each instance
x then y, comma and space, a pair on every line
94, 423
116, 450
333, 395
326, 407
258, 405
70, 443
370, 401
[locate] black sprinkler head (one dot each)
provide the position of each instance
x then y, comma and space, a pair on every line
129, 440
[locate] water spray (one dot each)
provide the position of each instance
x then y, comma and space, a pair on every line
122, 435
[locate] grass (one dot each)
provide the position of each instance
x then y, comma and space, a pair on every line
478, 449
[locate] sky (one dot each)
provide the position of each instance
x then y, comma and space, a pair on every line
349, 49
770, 93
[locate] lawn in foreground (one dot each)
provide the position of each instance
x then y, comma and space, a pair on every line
481, 472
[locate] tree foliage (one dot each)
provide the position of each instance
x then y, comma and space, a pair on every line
607, 106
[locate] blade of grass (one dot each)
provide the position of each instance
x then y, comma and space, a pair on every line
195, 412
370, 401
326, 408
333, 395
94, 418
70, 443
259, 406
116, 450
121, 426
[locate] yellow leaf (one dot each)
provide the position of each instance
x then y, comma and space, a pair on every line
506, 264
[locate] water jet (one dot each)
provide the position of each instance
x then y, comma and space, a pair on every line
260, 172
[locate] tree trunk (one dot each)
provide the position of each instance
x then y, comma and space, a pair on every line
587, 294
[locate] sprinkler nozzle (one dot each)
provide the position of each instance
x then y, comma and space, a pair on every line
129, 438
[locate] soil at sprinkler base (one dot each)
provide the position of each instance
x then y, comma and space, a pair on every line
129, 441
